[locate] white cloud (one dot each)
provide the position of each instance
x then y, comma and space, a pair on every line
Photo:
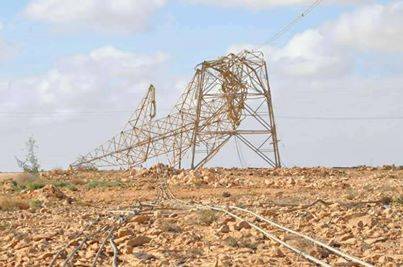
307, 54
375, 27
255, 4
333, 49
70, 108
262, 4
322, 72
105, 78
130, 16
122, 16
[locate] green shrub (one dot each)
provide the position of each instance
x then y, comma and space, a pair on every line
30, 185
35, 204
65, 184
103, 184
34, 185
16, 187
30, 164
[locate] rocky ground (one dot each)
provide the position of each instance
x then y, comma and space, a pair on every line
357, 210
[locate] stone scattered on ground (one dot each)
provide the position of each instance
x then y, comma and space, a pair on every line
356, 210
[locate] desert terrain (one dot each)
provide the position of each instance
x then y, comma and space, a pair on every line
127, 218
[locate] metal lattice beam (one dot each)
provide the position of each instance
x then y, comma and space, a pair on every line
222, 96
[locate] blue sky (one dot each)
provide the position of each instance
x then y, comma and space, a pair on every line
338, 61
180, 29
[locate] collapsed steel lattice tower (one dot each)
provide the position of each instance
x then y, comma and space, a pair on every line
227, 98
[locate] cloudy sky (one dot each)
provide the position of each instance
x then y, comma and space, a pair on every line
70, 74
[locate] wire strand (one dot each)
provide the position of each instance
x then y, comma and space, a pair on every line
57, 114
239, 153
293, 22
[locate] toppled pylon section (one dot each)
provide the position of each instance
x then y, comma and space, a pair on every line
227, 98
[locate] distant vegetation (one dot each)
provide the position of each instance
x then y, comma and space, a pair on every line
30, 164
103, 184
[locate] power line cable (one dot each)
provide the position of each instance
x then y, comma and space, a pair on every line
240, 157
293, 22
98, 113
341, 118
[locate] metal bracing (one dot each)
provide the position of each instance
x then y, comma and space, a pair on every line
227, 97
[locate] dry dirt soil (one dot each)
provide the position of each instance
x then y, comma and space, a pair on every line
66, 216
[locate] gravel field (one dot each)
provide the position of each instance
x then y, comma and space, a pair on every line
73, 214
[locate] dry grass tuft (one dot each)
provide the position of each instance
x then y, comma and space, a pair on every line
12, 203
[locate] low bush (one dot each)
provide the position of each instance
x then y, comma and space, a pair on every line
35, 204
35, 185
65, 184
103, 184
30, 185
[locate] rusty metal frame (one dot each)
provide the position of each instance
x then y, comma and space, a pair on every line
222, 95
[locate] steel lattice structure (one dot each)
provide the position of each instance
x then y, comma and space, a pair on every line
227, 98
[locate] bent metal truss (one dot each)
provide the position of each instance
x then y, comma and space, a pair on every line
227, 98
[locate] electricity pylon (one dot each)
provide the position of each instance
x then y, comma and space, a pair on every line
227, 98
